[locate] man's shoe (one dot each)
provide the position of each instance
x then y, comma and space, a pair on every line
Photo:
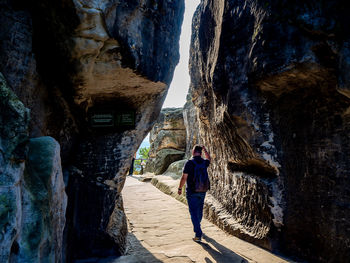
197, 239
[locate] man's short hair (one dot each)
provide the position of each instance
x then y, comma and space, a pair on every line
197, 148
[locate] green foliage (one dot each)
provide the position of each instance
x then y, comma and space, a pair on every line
137, 163
144, 152
137, 166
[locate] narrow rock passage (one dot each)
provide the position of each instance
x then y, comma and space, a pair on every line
161, 231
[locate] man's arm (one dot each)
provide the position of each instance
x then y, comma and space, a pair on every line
182, 183
207, 156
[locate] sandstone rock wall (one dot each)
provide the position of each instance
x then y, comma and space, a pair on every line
68, 59
14, 120
191, 124
44, 204
33, 200
130, 68
272, 98
168, 140
168, 132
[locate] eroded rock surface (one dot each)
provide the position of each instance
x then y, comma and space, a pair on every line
44, 204
191, 124
175, 169
14, 120
33, 201
126, 53
67, 60
271, 93
168, 140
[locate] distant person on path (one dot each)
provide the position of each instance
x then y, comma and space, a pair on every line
195, 175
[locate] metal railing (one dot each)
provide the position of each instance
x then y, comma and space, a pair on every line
139, 165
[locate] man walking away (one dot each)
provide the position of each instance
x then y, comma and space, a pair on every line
195, 175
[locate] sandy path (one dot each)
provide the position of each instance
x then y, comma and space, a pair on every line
161, 231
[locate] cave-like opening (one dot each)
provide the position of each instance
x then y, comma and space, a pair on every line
179, 86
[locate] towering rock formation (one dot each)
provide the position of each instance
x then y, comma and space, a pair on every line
94, 75
32, 197
191, 124
168, 140
270, 83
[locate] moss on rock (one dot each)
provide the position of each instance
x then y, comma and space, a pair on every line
14, 120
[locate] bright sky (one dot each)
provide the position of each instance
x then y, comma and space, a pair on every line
181, 81
179, 86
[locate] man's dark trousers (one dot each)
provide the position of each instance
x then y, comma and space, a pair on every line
195, 204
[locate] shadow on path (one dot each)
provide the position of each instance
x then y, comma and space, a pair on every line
137, 254
220, 253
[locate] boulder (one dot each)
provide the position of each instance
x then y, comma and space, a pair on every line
268, 83
168, 132
168, 136
163, 159
44, 204
175, 169
168, 139
169, 119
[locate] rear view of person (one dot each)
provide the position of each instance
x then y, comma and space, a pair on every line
195, 175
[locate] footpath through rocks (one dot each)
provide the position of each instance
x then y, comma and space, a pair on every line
161, 231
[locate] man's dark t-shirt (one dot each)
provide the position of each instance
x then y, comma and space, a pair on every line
189, 169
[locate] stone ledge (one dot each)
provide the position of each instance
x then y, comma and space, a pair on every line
169, 186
